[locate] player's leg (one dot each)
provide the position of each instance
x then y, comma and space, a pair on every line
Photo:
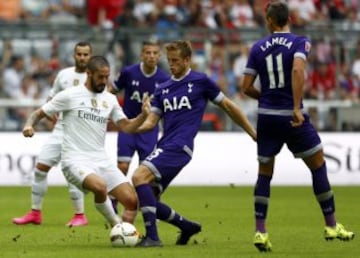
97, 186
147, 202
305, 143
77, 198
188, 228
125, 152
261, 204
126, 195
80, 174
161, 167
39, 188
269, 144
325, 197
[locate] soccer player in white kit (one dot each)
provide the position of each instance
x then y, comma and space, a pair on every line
86, 111
50, 153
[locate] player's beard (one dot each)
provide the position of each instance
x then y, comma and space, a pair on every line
80, 66
97, 88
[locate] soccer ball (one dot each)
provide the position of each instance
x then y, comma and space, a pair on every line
124, 234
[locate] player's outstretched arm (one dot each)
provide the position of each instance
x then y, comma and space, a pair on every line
132, 125
34, 118
150, 122
238, 116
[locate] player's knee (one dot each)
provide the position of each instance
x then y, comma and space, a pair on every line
131, 202
137, 179
142, 176
99, 188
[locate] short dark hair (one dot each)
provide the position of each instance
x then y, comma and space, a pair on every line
278, 11
183, 45
96, 62
83, 44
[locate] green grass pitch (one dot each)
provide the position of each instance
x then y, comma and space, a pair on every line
295, 225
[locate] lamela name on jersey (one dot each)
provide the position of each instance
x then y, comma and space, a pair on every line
276, 41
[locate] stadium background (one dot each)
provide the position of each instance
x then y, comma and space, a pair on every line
43, 34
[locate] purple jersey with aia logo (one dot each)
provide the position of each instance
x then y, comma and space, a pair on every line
181, 104
136, 85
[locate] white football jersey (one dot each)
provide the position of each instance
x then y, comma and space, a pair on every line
85, 118
66, 78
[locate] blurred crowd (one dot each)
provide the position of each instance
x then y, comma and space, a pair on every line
27, 69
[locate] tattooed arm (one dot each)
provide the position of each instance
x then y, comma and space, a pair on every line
34, 118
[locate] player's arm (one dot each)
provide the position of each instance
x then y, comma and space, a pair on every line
132, 125
150, 122
297, 82
238, 116
248, 87
34, 118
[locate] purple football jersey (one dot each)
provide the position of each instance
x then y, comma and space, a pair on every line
271, 58
181, 104
136, 85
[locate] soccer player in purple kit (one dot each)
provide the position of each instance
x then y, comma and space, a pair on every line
137, 81
279, 59
180, 103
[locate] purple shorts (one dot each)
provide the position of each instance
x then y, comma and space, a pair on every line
166, 164
274, 131
143, 143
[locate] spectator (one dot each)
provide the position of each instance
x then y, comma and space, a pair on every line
356, 63
302, 12
103, 13
12, 78
66, 11
167, 25
322, 85
241, 14
12, 88
10, 11
35, 9
348, 86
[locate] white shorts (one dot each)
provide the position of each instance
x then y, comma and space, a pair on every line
51, 150
75, 172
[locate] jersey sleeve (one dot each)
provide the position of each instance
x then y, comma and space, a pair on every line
117, 112
250, 67
303, 48
60, 102
212, 91
121, 79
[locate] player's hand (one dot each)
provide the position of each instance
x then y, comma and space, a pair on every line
297, 118
28, 131
146, 106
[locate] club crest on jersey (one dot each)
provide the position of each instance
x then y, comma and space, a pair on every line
105, 104
76, 82
94, 103
190, 85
